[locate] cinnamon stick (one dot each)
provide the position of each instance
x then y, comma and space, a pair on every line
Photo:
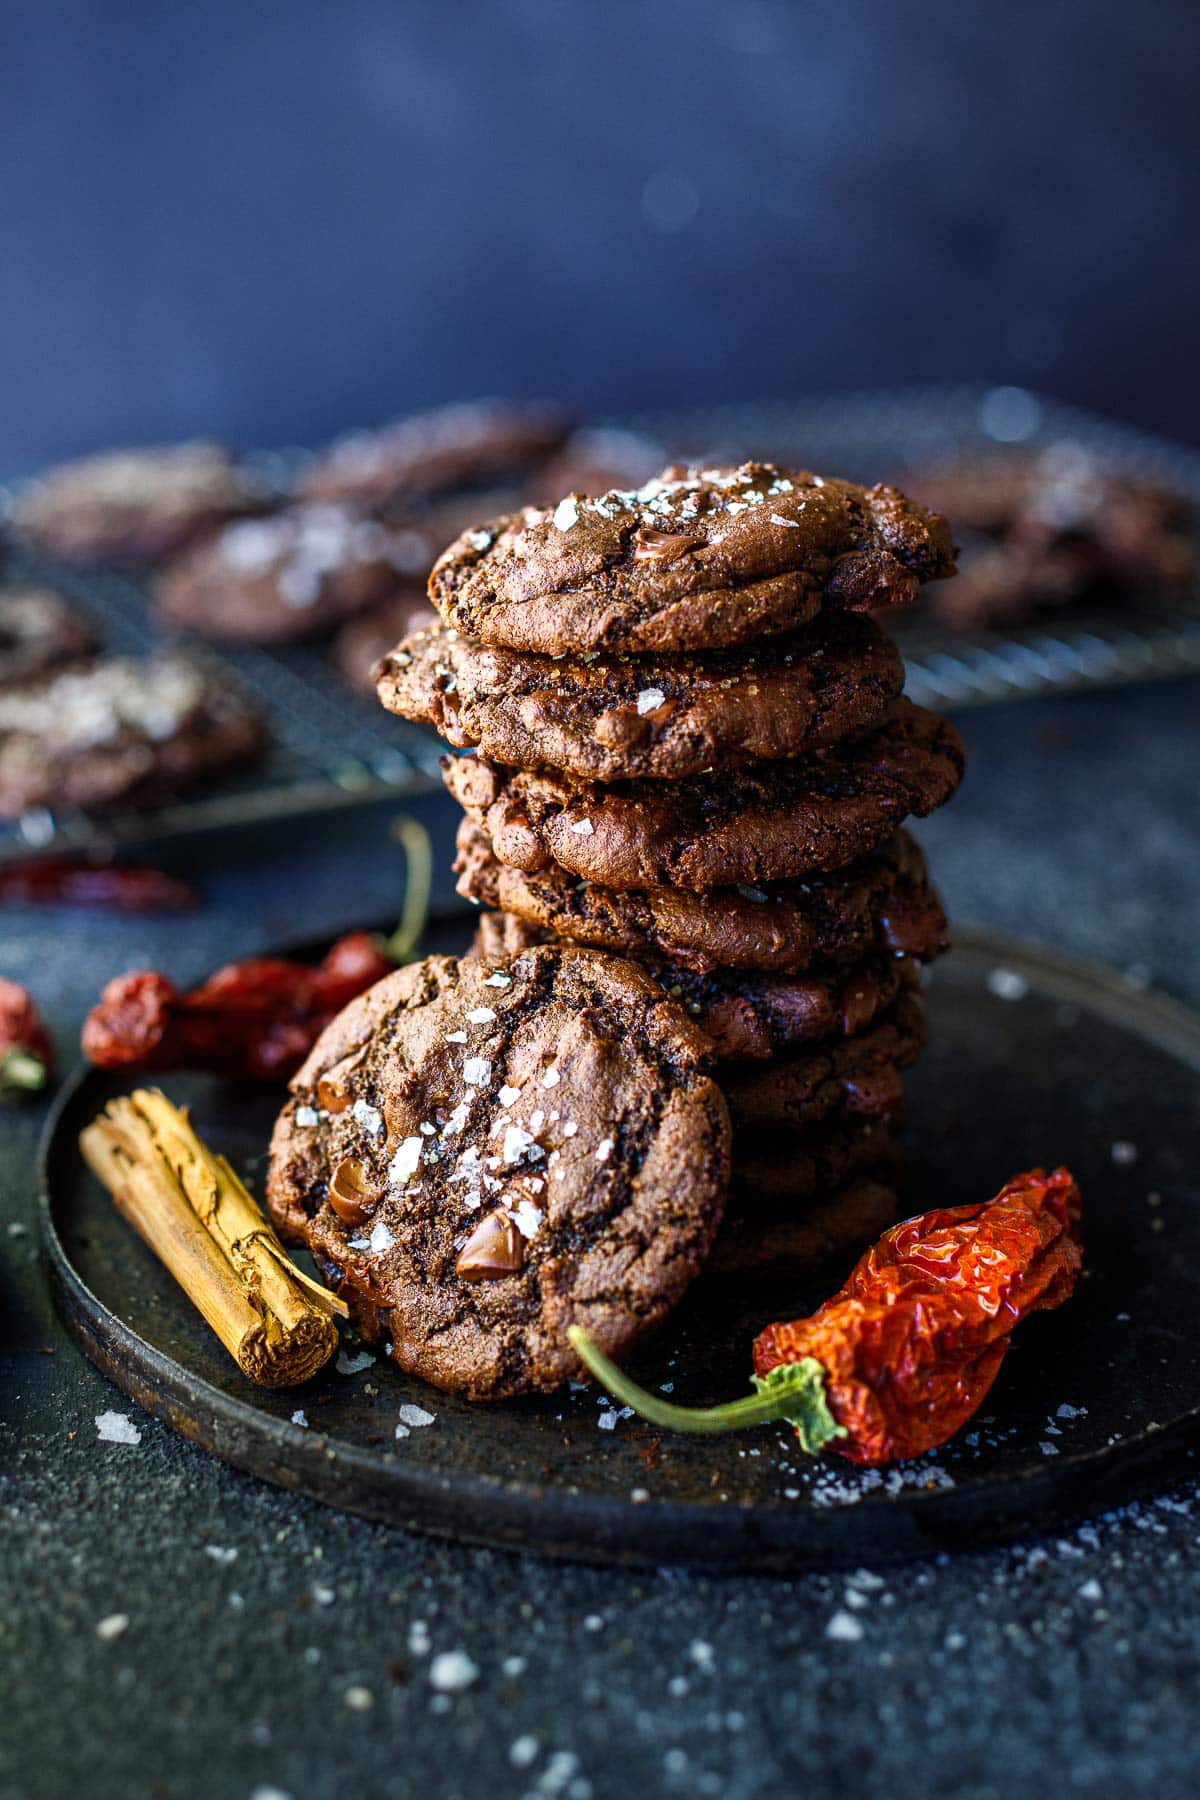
204, 1226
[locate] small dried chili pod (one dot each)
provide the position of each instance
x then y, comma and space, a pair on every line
26, 1053
900, 1359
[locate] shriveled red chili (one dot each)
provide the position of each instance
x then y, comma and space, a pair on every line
84, 881
900, 1359
256, 1019
26, 1053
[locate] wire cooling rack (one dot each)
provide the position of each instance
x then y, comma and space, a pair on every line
332, 748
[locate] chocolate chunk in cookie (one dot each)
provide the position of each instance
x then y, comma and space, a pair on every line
122, 732
763, 822
480, 1154
268, 580
136, 506
792, 1244
747, 1016
696, 559
610, 718
884, 901
456, 446
40, 631
849, 1077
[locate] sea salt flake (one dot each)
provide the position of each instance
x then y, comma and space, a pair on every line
583, 828
1091, 1590
1007, 984
456, 1037
451, 1671
508, 1094
369, 1117
117, 1428
566, 514
523, 1751
570, 1128
498, 980
482, 1015
410, 1414
300, 1418
220, 1555
307, 1115
650, 699
477, 1070
844, 1628
527, 1218
517, 1143
551, 1078
361, 1359
604, 1150
109, 1628
778, 519
406, 1161
381, 1238
607, 1421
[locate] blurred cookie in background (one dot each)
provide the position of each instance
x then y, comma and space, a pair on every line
434, 452
40, 631
124, 731
361, 645
136, 506
1047, 528
295, 575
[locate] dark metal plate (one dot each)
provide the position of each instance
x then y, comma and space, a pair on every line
1031, 1059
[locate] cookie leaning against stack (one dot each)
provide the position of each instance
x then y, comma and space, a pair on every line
685, 743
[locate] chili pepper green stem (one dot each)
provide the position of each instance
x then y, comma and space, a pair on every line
794, 1392
21, 1072
418, 884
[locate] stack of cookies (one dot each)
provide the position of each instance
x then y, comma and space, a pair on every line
685, 743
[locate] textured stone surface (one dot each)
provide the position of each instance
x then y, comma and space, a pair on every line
342, 1657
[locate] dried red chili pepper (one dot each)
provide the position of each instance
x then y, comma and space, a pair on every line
81, 881
26, 1053
902, 1357
256, 1019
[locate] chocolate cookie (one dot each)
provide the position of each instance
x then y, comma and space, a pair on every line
777, 1172
39, 631
456, 446
266, 581
884, 901
361, 645
479, 1155
121, 731
763, 822
697, 559
610, 718
849, 1077
747, 1017
136, 505
792, 1244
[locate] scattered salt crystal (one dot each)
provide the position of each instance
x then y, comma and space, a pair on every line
111, 1627
583, 827
527, 1218
1091, 1590
456, 1037
1007, 984
778, 519
1072, 1412
451, 1671
219, 1555
523, 1751
299, 1418
566, 514
476, 1071
307, 1115
517, 1143
570, 1128
1048, 1449
508, 1094
607, 1421
409, 1414
324, 1596
457, 1119
359, 1699
650, 699
480, 1015
604, 1150
844, 1628
551, 1078
369, 1117
406, 1161
512, 1666
479, 540
498, 980
701, 1654
117, 1428
353, 1365
1124, 1153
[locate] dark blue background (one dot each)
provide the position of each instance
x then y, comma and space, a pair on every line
271, 221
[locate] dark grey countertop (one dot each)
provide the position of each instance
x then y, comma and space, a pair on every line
171, 1628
